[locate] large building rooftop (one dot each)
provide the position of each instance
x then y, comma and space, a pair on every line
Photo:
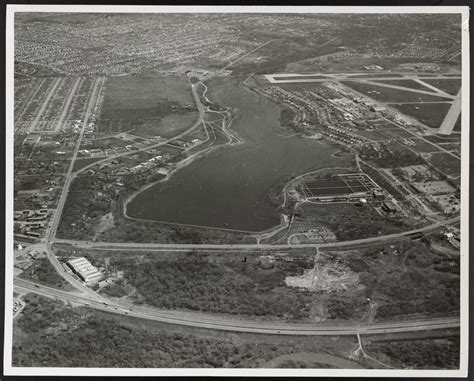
85, 270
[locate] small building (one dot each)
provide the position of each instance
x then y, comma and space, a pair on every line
85, 270
378, 194
267, 261
389, 206
163, 171
32, 139
377, 108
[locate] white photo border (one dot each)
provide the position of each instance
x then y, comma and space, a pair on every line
464, 215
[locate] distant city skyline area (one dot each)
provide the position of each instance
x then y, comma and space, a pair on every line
258, 190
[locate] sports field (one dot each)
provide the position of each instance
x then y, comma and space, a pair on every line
340, 185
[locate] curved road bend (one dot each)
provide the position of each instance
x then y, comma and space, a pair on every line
221, 323
159, 246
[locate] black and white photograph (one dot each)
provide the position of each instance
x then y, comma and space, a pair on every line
210, 190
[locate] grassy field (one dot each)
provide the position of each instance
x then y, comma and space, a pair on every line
138, 103
134, 97
81, 163
422, 146
431, 114
376, 75
178, 90
457, 126
174, 124
450, 86
447, 164
443, 139
405, 83
390, 95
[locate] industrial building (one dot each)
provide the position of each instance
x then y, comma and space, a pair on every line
389, 207
85, 270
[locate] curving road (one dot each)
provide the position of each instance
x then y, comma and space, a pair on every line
208, 321
159, 246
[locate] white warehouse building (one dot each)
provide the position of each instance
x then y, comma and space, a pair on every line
85, 270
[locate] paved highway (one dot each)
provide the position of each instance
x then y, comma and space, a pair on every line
87, 297
201, 320
159, 246
69, 177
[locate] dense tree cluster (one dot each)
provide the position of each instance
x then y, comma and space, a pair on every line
58, 336
42, 270
421, 354
198, 284
349, 222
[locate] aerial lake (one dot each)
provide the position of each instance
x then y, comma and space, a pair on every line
229, 188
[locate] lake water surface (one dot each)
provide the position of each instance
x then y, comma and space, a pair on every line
230, 187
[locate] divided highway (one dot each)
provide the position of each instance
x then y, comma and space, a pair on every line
201, 320
89, 298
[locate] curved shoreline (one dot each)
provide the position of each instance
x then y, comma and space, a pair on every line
233, 139
181, 165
